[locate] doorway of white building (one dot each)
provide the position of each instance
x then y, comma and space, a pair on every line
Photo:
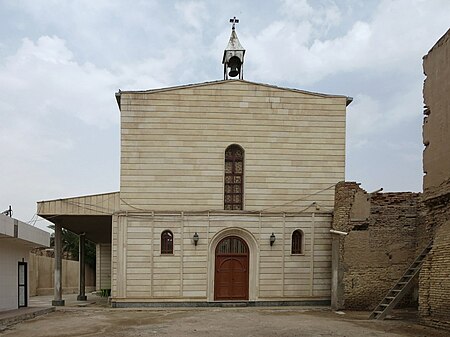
22, 284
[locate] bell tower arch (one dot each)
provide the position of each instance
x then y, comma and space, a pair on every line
233, 55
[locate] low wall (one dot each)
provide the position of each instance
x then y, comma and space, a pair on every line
380, 245
41, 276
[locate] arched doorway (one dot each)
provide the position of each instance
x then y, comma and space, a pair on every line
231, 269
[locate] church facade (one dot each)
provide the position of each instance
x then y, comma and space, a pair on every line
227, 191
226, 194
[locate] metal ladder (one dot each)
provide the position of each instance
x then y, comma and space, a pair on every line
401, 288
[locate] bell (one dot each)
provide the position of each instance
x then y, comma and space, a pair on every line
234, 72
235, 65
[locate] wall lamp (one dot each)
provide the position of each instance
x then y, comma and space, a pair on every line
195, 238
272, 239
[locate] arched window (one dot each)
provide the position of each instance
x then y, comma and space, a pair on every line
166, 242
234, 178
297, 242
232, 245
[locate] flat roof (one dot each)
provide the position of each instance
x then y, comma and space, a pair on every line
13, 229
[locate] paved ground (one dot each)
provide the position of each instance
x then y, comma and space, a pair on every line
97, 320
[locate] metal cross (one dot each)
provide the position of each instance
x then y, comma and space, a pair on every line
234, 21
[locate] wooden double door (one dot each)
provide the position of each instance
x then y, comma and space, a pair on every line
231, 270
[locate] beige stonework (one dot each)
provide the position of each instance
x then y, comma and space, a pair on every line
103, 266
173, 144
172, 178
188, 274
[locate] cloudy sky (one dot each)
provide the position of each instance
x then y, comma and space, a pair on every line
62, 61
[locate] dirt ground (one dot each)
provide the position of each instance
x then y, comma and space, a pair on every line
273, 322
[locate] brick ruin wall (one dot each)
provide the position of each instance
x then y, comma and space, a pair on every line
388, 230
434, 279
380, 245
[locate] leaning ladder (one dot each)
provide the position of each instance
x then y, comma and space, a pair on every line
401, 288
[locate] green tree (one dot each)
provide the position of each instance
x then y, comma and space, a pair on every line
70, 246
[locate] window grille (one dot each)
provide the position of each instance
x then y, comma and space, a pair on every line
234, 178
232, 245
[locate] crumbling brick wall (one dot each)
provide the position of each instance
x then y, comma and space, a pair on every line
380, 245
434, 283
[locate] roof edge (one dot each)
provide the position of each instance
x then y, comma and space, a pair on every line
79, 196
195, 85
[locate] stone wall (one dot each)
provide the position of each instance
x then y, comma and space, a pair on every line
140, 273
381, 242
173, 143
41, 272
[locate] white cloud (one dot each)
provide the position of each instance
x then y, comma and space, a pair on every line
47, 49
194, 13
296, 8
364, 118
332, 16
369, 118
299, 49
42, 78
324, 15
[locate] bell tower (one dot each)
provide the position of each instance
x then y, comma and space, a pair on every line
233, 55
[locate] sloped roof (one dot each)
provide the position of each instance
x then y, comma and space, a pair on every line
233, 43
95, 204
89, 214
23, 233
196, 85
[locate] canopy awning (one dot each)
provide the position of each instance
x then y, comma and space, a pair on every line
90, 214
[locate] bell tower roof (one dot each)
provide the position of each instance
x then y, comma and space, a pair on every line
233, 45
233, 55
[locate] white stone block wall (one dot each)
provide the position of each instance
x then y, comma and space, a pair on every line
11, 253
173, 143
142, 273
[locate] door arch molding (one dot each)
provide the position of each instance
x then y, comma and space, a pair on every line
253, 278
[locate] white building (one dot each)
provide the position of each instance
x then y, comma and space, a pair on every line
16, 240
